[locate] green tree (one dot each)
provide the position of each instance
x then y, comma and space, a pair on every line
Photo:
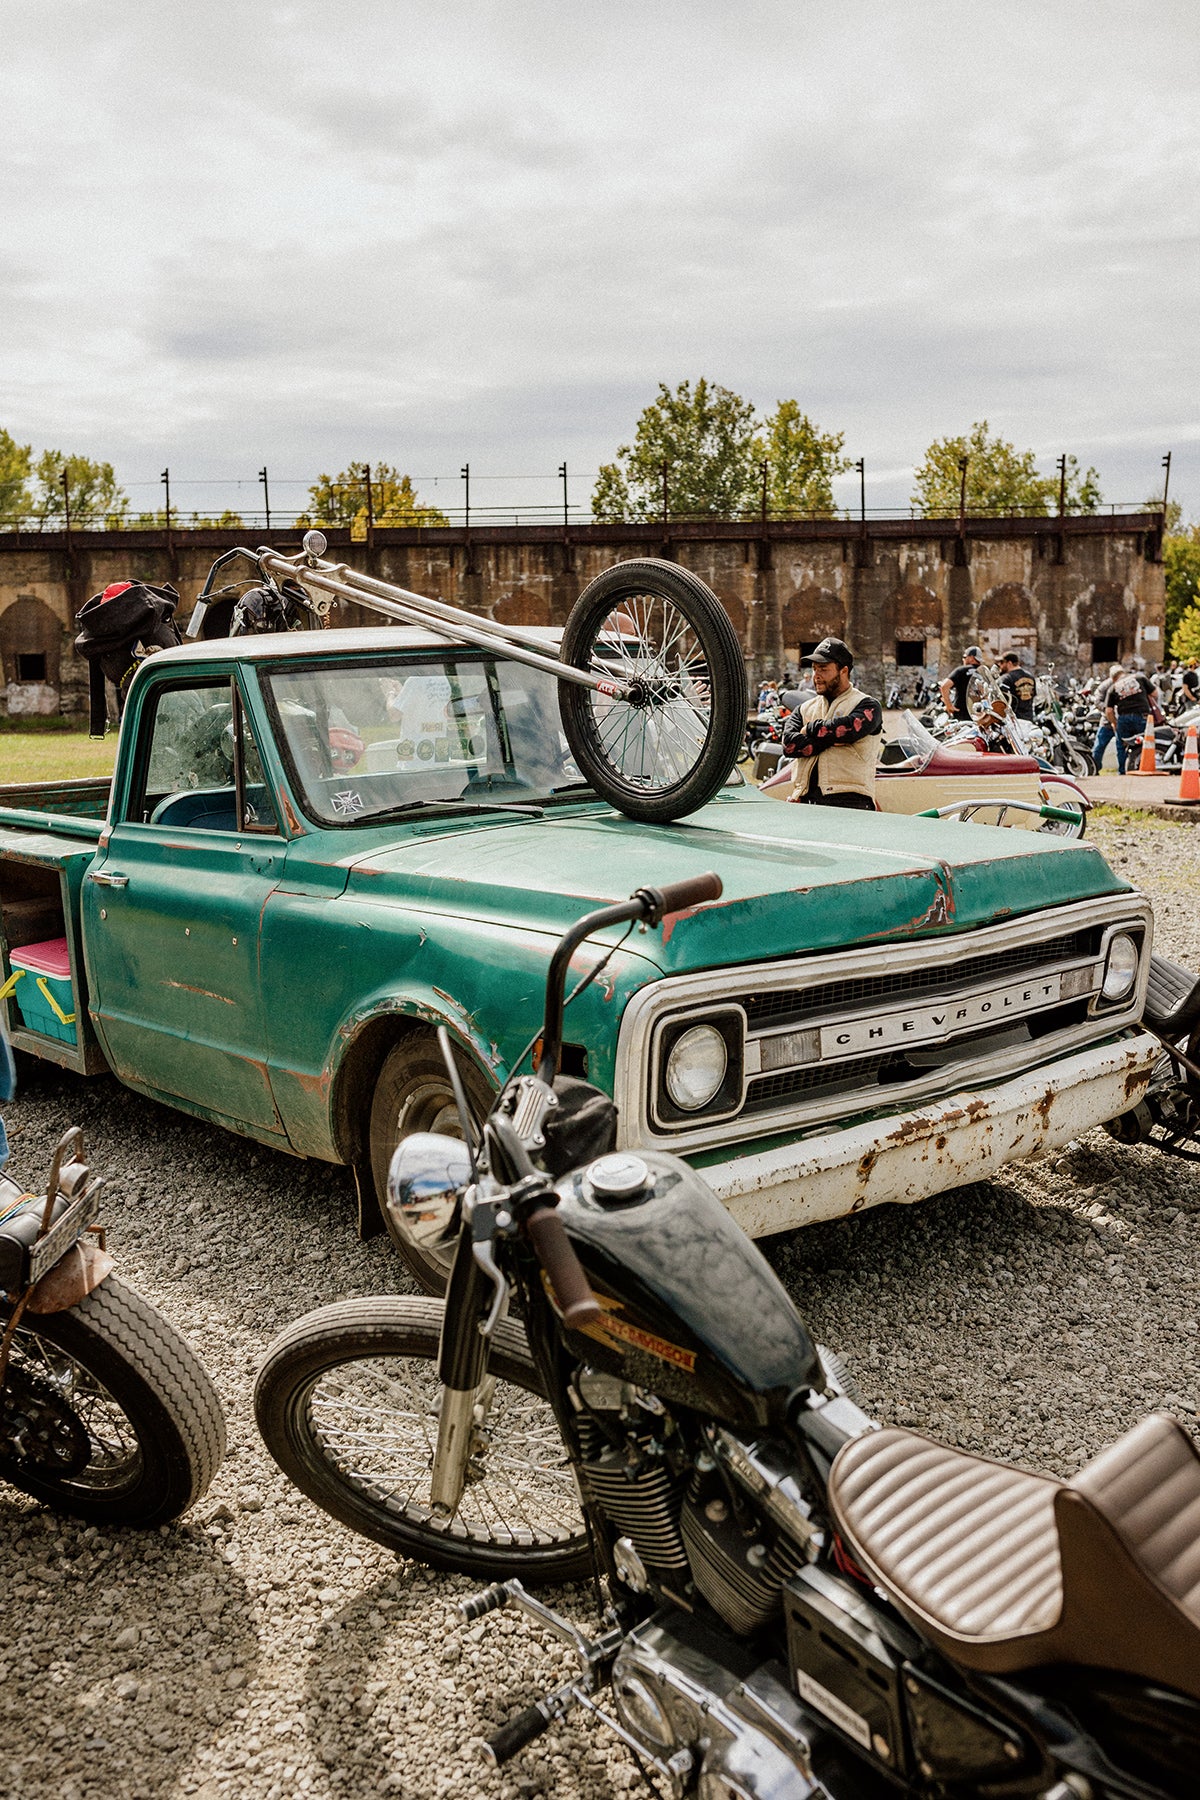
1000, 479
706, 436
225, 521
1181, 572
1185, 640
96, 498
341, 500
801, 462
16, 466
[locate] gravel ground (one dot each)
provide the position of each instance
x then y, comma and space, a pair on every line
256, 1649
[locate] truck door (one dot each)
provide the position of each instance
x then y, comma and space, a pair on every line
172, 908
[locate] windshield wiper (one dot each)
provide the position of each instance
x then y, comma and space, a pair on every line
573, 787
457, 808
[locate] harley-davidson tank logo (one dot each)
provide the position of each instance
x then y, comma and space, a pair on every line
611, 1327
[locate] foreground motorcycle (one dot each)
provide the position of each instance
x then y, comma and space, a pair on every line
105, 1411
798, 1603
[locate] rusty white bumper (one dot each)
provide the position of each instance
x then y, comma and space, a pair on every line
909, 1157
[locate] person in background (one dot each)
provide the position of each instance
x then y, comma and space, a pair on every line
1105, 732
835, 737
1190, 680
1020, 686
1131, 701
954, 688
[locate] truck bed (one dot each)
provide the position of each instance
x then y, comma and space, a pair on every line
73, 808
48, 835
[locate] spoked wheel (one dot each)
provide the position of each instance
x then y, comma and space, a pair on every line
665, 747
1057, 793
107, 1413
347, 1403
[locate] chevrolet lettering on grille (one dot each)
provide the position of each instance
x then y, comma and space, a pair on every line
934, 1024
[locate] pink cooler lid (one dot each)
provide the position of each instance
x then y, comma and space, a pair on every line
50, 958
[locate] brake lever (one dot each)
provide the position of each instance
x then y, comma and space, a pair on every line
485, 1220
485, 1258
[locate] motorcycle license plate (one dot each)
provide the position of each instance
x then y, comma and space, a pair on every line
63, 1233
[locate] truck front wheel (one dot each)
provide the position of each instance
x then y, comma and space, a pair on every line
413, 1094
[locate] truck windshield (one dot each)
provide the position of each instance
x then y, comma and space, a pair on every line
366, 739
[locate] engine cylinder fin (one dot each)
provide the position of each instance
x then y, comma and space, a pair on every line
746, 1590
644, 1505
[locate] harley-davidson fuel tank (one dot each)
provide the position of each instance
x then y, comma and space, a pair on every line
677, 1286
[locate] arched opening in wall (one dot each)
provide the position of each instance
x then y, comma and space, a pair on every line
809, 615
523, 607
911, 635
31, 638
1106, 625
1006, 623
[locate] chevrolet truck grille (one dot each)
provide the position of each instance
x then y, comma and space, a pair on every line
833, 1036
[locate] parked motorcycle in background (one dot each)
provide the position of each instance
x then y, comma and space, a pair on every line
799, 1603
105, 1410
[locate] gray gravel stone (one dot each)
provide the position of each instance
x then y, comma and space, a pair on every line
257, 1650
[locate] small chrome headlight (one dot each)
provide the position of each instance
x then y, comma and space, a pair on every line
1120, 968
427, 1175
696, 1067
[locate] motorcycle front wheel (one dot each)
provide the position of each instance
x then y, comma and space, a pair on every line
1058, 794
107, 1412
666, 748
347, 1403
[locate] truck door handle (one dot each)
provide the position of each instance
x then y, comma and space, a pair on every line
114, 880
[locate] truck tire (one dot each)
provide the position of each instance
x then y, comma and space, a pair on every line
413, 1093
108, 1413
667, 752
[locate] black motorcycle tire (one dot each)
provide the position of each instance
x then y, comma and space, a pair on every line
387, 1326
413, 1093
701, 749
154, 1380
1068, 803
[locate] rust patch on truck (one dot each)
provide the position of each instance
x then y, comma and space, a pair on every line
204, 993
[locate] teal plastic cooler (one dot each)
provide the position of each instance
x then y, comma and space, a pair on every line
40, 984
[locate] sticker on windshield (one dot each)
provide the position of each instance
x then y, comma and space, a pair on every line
346, 804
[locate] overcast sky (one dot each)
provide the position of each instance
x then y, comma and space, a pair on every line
304, 234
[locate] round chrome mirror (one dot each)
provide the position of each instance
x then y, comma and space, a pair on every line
315, 543
427, 1175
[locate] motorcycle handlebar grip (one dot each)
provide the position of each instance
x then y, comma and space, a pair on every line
517, 1733
576, 1300
678, 895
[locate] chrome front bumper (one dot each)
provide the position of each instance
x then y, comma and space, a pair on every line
966, 1137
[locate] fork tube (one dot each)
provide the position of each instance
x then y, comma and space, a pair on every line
436, 616
462, 1364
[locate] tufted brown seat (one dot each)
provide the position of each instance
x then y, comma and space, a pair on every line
1004, 1570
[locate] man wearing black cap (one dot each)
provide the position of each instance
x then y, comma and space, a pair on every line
835, 737
954, 689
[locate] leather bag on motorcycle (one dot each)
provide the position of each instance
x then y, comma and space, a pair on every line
111, 627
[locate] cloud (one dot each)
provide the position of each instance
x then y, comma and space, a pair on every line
489, 231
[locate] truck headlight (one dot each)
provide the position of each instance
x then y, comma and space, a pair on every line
1120, 968
696, 1067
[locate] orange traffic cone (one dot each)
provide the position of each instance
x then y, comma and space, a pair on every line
1189, 780
1148, 764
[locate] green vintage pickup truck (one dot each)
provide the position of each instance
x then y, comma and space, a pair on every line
319, 847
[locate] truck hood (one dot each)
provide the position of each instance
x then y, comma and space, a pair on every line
796, 878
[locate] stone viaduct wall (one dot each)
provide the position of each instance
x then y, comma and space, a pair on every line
1076, 592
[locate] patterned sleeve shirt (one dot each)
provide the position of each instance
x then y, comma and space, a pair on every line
863, 720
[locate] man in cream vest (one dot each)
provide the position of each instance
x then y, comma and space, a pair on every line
835, 737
